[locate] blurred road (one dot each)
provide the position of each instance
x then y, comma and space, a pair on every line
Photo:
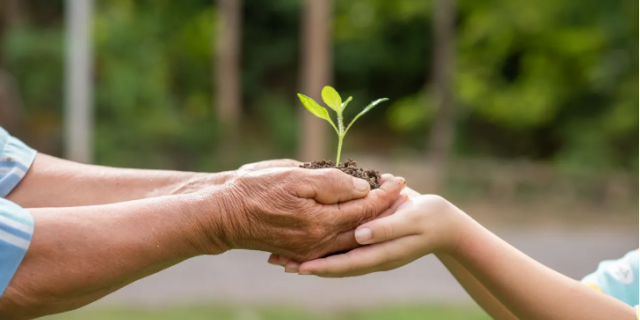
245, 277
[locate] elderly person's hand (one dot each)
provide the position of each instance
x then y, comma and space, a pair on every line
299, 213
266, 164
292, 266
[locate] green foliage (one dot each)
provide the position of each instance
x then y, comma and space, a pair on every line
331, 97
153, 82
366, 109
410, 113
333, 100
30, 52
552, 81
316, 109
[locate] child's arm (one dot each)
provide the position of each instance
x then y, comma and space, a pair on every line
529, 289
476, 290
471, 285
430, 224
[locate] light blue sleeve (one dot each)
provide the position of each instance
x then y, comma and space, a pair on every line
16, 223
617, 278
15, 160
16, 230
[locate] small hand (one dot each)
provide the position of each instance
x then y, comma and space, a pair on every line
420, 226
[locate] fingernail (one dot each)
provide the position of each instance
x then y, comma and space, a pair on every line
304, 273
289, 270
363, 235
360, 184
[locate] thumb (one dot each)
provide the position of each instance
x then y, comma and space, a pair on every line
386, 228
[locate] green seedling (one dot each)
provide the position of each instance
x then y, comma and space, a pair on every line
332, 99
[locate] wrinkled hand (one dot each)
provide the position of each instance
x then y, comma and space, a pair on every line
277, 163
299, 213
291, 266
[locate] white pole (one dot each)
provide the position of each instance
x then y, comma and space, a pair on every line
78, 115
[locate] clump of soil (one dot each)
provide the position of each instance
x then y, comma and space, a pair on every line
349, 167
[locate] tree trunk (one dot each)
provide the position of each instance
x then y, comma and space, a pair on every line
10, 107
228, 62
10, 104
442, 130
316, 73
78, 113
12, 13
227, 84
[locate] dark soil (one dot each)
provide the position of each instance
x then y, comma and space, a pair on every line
349, 167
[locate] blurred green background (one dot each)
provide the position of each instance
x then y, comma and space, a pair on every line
548, 88
551, 81
541, 125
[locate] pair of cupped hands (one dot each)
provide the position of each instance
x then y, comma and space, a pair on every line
323, 221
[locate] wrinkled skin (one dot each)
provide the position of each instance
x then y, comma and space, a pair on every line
299, 213
266, 164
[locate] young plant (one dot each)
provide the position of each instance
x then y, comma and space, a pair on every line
332, 99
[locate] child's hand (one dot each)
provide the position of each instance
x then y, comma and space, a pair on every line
423, 225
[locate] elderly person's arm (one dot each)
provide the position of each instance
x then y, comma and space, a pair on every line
53, 182
36, 180
80, 254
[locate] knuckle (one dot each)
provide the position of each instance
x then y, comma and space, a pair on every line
317, 233
331, 174
290, 175
387, 231
291, 180
348, 268
350, 265
370, 209
415, 217
436, 202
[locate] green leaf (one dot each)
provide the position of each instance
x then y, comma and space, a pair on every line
316, 109
344, 104
366, 109
313, 107
331, 97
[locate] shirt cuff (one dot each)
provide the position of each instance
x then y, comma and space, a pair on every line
16, 231
15, 160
